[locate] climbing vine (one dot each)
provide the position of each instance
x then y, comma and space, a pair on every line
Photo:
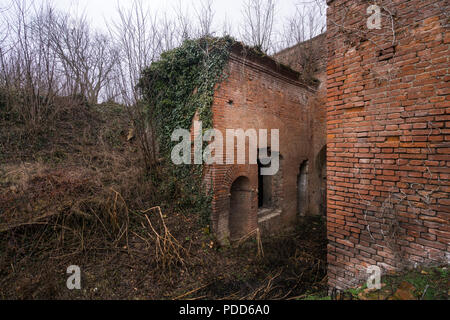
175, 88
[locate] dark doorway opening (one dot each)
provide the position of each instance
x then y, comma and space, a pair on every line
322, 173
264, 186
240, 207
302, 188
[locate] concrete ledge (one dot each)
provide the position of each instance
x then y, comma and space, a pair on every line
267, 220
267, 214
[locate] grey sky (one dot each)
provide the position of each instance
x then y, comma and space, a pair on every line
98, 10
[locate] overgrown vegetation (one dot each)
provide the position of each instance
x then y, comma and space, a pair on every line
178, 86
63, 191
428, 283
73, 187
73, 191
293, 264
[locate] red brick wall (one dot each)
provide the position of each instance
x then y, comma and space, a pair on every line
318, 109
388, 125
262, 98
313, 51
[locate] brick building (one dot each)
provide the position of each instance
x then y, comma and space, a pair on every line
309, 58
367, 141
388, 131
260, 93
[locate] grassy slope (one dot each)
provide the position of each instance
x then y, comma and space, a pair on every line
73, 193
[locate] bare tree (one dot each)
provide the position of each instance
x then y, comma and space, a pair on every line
307, 22
4, 34
4, 8
4, 29
227, 27
87, 58
4, 26
183, 22
28, 65
205, 17
139, 43
258, 25
168, 34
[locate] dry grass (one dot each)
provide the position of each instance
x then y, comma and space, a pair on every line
168, 251
76, 194
72, 193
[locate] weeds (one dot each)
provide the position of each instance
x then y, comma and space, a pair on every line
79, 199
168, 251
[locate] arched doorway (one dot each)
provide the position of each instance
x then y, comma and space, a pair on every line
240, 207
302, 188
322, 174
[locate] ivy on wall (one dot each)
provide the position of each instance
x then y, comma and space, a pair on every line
174, 88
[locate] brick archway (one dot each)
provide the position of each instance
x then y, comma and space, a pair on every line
240, 208
222, 202
302, 188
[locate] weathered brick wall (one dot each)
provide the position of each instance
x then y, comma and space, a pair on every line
388, 125
258, 95
318, 110
314, 52
311, 54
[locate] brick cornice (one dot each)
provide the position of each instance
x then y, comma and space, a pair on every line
269, 66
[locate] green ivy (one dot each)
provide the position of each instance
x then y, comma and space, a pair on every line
174, 88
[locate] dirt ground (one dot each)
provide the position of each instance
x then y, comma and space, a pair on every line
73, 192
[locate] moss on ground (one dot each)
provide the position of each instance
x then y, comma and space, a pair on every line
427, 283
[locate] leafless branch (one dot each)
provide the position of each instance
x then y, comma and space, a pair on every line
258, 23
205, 17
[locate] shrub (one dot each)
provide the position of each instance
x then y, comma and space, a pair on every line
180, 84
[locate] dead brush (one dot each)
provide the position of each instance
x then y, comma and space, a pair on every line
169, 253
119, 217
108, 216
267, 289
257, 234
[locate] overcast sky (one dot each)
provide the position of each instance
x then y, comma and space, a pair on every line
98, 10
